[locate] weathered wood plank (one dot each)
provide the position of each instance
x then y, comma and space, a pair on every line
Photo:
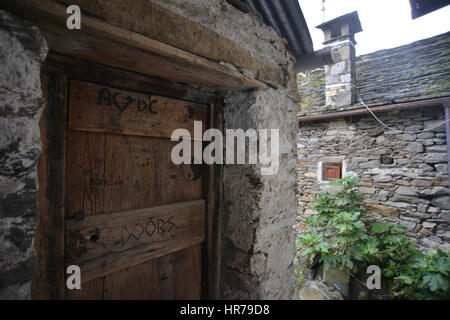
169, 277
154, 21
102, 244
90, 290
49, 238
137, 282
84, 70
213, 194
171, 177
91, 159
115, 46
85, 170
187, 269
130, 173
100, 108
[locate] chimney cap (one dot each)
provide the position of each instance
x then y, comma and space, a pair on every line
351, 19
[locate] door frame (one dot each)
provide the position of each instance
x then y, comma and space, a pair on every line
49, 281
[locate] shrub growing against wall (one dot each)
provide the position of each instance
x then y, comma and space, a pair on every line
338, 236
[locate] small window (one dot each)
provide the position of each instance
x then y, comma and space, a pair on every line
335, 32
331, 171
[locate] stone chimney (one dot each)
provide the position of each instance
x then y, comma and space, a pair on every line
340, 75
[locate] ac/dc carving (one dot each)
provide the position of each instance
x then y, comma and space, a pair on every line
105, 97
153, 226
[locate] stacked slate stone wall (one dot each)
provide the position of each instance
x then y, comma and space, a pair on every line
403, 171
312, 88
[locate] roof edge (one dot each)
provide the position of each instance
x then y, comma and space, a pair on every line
384, 108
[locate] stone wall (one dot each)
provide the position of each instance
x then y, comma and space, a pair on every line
311, 85
258, 211
403, 171
245, 29
22, 50
340, 76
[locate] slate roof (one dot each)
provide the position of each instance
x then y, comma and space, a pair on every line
416, 71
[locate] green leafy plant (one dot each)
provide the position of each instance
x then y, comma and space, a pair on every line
338, 237
336, 234
388, 247
425, 277
299, 277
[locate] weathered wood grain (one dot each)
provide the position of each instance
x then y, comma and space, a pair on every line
130, 173
103, 176
176, 183
102, 244
85, 166
49, 238
100, 108
151, 20
90, 290
84, 70
169, 277
106, 43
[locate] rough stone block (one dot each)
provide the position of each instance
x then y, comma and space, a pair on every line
336, 278
413, 128
441, 202
344, 52
383, 151
422, 183
414, 147
343, 99
437, 148
436, 158
426, 168
436, 191
317, 290
407, 191
402, 205
432, 125
427, 242
425, 135
366, 190
382, 178
406, 137
382, 210
346, 78
442, 168
429, 225
433, 210
369, 164
311, 174
441, 181
338, 68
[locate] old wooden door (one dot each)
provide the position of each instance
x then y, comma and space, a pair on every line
134, 221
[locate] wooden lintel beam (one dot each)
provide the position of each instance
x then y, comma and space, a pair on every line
120, 39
